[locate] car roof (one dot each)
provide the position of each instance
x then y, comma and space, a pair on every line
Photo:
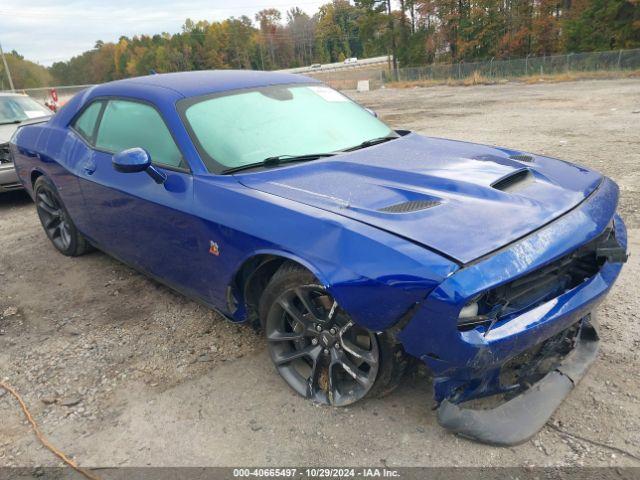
165, 89
203, 82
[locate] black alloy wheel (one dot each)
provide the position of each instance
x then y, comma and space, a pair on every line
318, 350
56, 221
53, 219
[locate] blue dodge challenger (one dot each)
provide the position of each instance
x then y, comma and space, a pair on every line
357, 249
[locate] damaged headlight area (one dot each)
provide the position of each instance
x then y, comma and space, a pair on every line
515, 297
521, 324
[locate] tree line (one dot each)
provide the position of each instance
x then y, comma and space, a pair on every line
25, 74
415, 32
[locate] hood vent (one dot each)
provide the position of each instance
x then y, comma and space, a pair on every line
408, 207
514, 181
522, 158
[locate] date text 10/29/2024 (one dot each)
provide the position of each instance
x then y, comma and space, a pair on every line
316, 472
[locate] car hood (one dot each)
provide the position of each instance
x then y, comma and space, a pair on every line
460, 199
7, 129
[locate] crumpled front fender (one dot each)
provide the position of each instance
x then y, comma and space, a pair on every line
374, 275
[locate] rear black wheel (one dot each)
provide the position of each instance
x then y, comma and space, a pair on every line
56, 221
316, 347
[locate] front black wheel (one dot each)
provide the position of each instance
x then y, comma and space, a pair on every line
56, 221
316, 347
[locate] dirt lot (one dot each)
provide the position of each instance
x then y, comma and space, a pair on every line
118, 370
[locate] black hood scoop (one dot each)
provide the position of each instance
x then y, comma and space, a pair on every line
514, 181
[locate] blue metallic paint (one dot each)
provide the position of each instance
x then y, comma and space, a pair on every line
458, 175
324, 215
133, 160
478, 358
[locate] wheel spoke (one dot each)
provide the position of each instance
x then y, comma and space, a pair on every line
333, 310
45, 199
334, 395
64, 234
367, 356
297, 316
344, 328
278, 336
52, 222
288, 357
49, 209
302, 294
292, 311
312, 382
352, 370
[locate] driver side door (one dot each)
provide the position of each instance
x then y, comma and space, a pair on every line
147, 225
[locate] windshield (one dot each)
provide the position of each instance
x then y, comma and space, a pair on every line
248, 126
18, 108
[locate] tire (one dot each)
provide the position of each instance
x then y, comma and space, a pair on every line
319, 351
56, 221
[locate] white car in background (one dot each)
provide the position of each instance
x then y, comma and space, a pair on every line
15, 109
350, 60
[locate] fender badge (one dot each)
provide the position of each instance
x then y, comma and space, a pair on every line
213, 248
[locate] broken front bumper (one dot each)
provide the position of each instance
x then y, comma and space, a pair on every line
518, 419
469, 364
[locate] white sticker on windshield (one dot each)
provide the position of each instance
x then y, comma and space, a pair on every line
34, 113
329, 94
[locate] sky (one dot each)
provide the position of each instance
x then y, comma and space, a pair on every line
47, 31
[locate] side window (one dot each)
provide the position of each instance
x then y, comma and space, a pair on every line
85, 124
128, 124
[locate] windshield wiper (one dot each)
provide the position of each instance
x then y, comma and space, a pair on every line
279, 160
11, 122
373, 141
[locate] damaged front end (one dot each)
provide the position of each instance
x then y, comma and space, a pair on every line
8, 178
539, 382
519, 325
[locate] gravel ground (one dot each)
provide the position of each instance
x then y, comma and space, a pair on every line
118, 370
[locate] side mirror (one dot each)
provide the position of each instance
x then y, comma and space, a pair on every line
135, 160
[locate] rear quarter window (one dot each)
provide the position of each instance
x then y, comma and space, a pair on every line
85, 124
